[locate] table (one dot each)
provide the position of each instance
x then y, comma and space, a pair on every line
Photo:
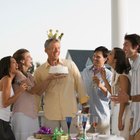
110, 137
94, 137
32, 138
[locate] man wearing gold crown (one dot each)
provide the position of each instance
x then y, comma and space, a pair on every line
60, 98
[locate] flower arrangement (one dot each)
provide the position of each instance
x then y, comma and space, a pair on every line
43, 131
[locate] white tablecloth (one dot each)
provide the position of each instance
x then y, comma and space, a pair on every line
95, 137
32, 138
105, 137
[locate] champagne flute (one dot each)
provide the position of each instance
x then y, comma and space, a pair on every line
96, 73
84, 122
94, 83
79, 123
95, 122
68, 120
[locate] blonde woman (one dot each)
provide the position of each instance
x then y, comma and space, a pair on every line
25, 109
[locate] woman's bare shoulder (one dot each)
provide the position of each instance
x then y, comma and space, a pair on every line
123, 79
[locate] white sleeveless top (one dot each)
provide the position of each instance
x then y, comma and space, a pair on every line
115, 110
5, 113
114, 85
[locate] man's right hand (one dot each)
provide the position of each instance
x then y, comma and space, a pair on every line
120, 98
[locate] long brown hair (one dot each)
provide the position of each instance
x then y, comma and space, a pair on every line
19, 56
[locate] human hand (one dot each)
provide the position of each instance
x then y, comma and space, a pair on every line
122, 97
23, 86
55, 76
96, 80
103, 73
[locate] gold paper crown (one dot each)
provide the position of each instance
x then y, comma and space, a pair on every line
55, 35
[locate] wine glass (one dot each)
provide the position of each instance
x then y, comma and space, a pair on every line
79, 123
93, 82
68, 120
84, 122
95, 122
98, 75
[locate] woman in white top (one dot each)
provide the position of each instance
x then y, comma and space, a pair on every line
8, 69
120, 119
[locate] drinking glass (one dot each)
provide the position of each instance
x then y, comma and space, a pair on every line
94, 83
84, 122
98, 75
115, 90
68, 121
95, 122
79, 124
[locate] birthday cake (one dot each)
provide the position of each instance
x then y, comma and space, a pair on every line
59, 69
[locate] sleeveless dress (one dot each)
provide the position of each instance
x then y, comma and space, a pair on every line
5, 114
115, 111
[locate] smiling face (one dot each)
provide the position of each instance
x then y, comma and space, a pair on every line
129, 50
13, 66
98, 59
27, 61
24, 59
110, 58
53, 51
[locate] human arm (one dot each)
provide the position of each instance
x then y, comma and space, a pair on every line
100, 85
134, 98
39, 88
120, 116
124, 98
124, 85
107, 84
80, 87
100, 82
6, 84
120, 98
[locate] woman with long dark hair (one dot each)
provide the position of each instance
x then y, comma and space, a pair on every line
8, 70
120, 81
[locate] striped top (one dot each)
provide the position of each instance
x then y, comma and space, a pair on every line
99, 103
135, 90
